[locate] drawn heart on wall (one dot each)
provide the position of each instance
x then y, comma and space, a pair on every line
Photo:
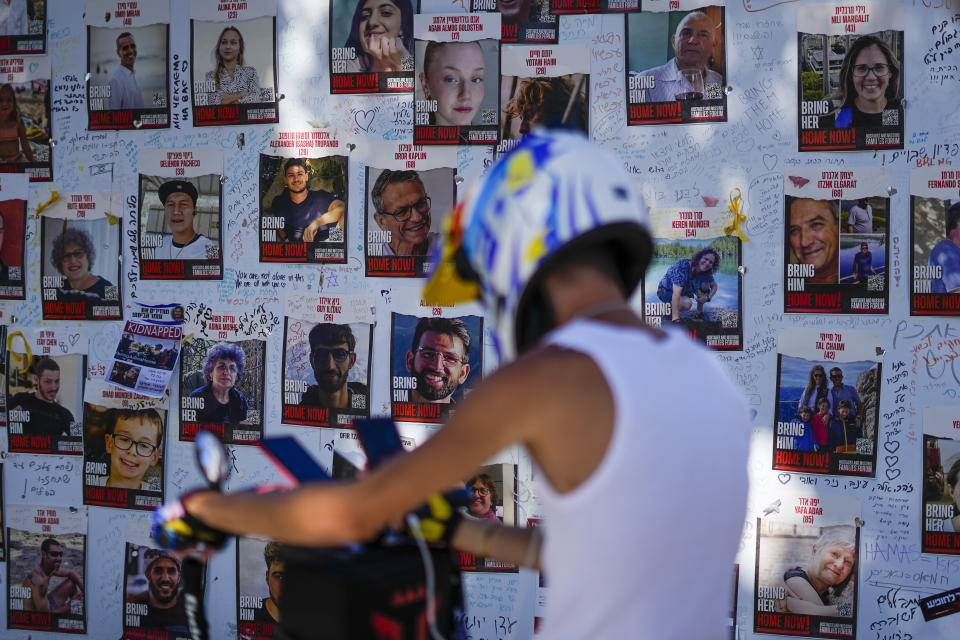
769, 161
784, 478
891, 460
74, 337
364, 119
893, 474
891, 446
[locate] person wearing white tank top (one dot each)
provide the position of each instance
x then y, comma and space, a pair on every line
639, 435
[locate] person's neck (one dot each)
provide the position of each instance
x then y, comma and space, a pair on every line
230, 67
184, 237
335, 400
954, 237
403, 248
299, 196
129, 67
871, 106
818, 584
40, 397
585, 293
87, 281
272, 608
222, 395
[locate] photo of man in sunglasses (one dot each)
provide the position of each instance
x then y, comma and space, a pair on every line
332, 355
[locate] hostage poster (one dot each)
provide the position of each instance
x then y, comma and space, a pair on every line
828, 401
807, 567
328, 344
409, 192
676, 63
850, 82
836, 240
693, 279
934, 241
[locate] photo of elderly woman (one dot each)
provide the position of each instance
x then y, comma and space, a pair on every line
456, 97
851, 81
234, 71
808, 572
377, 54
81, 265
221, 389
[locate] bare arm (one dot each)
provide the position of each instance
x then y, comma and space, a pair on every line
506, 544
675, 302
332, 215
803, 598
38, 594
537, 386
24, 141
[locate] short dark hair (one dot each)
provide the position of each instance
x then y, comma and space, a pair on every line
295, 162
329, 333
488, 482
113, 416
454, 327
125, 34
271, 552
388, 177
45, 364
223, 351
155, 555
49, 542
75, 236
952, 218
844, 403
805, 409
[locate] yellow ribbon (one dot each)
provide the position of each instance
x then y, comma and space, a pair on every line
54, 196
736, 201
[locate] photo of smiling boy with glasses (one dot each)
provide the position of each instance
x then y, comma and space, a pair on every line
122, 457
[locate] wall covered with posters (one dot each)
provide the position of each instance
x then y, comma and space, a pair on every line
248, 170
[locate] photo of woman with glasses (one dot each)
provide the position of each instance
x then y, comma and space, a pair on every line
483, 491
73, 254
869, 85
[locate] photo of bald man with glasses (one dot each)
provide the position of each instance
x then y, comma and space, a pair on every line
400, 218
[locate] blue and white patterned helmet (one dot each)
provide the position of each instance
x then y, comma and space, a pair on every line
554, 193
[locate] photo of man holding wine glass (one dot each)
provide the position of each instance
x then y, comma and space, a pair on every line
676, 57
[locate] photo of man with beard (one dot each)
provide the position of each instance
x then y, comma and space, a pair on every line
332, 355
439, 359
165, 609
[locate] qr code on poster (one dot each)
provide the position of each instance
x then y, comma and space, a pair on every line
864, 447
406, 63
891, 117
488, 116
729, 320
211, 252
336, 235
713, 91
876, 282
110, 293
